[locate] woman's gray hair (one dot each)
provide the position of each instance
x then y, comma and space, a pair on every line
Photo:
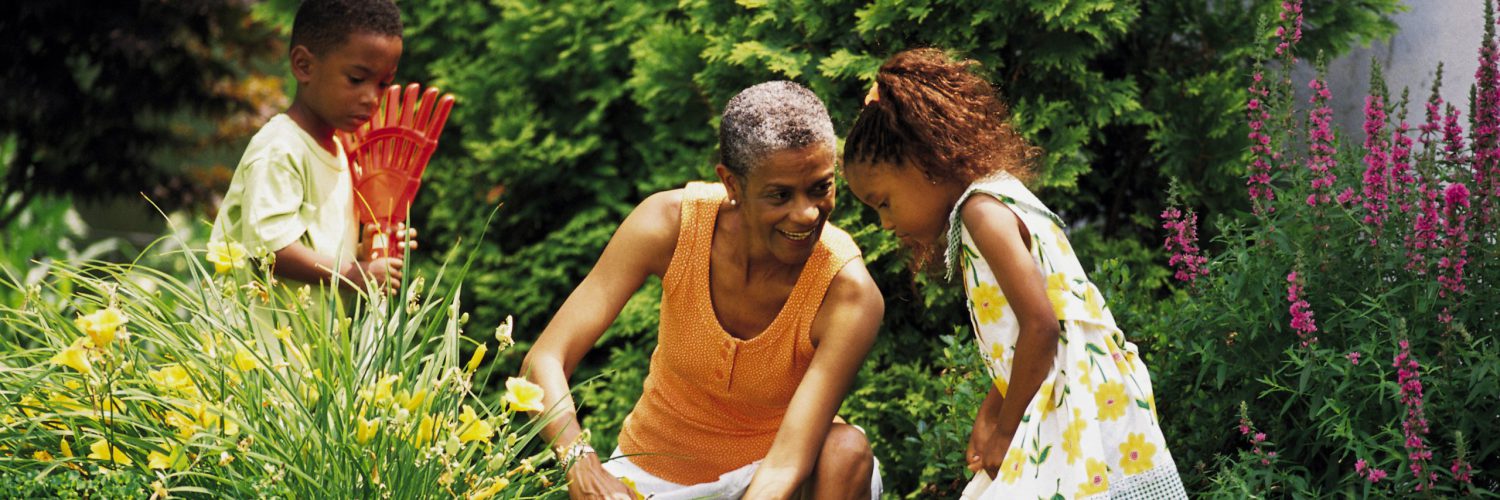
770, 117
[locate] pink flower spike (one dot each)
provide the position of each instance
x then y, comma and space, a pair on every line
1353, 357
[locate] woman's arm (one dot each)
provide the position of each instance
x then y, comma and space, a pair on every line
642, 246
1003, 242
842, 332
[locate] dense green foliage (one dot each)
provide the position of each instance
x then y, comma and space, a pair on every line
571, 113
117, 98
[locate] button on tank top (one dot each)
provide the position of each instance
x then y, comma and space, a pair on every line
713, 402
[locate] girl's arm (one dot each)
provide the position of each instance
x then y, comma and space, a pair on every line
642, 246
842, 334
1004, 244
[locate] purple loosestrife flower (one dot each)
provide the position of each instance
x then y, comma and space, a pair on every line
1403, 175
1414, 427
1302, 315
1455, 245
1485, 135
1453, 137
1259, 182
1182, 241
1320, 143
1353, 357
1377, 159
1370, 473
1290, 31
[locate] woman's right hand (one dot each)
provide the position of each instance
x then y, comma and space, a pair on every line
587, 479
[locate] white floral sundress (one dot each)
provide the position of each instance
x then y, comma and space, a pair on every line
1092, 427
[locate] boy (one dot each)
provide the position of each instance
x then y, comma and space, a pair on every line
291, 194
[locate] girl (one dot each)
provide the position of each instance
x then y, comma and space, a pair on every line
1071, 411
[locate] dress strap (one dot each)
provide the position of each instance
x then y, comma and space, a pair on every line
1004, 187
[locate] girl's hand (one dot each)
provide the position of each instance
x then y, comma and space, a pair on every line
993, 454
588, 479
987, 445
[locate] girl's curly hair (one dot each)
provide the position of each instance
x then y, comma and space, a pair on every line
932, 112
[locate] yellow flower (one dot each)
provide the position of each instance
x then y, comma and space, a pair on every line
102, 325
1057, 290
186, 426
635, 491
1098, 479
426, 429
997, 354
1073, 435
283, 333
102, 450
226, 256
244, 360
522, 395
988, 303
1136, 453
1110, 398
173, 377
67, 450
1151, 401
158, 490
1010, 469
158, 460
366, 429
75, 356
42, 455
382, 394
478, 357
412, 401
473, 428
489, 491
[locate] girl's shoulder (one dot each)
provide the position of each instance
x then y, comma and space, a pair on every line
977, 206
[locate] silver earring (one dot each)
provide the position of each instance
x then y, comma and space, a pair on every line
734, 202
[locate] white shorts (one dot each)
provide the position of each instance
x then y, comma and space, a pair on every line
731, 485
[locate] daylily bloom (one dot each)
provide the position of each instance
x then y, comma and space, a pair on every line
522, 395
75, 356
103, 450
473, 428
102, 325
226, 256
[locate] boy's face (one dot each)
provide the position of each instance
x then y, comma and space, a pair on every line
343, 85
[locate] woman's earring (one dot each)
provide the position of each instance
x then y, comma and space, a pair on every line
733, 202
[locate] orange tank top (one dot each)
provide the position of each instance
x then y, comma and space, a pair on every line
712, 402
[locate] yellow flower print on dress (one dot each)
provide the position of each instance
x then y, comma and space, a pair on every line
1010, 469
1098, 479
1136, 453
1111, 400
1062, 240
1057, 290
1093, 303
1044, 399
1002, 385
1073, 435
1083, 375
989, 304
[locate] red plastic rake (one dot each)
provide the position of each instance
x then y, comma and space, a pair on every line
387, 156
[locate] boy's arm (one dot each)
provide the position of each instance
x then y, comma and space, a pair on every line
299, 263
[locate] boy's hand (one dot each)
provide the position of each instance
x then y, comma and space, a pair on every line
383, 272
374, 244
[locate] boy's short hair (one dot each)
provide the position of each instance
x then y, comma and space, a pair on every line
321, 25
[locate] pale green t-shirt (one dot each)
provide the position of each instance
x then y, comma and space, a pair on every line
289, 189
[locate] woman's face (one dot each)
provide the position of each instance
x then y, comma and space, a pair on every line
786, 200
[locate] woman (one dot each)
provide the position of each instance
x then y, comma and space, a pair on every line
767, 312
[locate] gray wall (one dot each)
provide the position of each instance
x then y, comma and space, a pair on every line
1449, 31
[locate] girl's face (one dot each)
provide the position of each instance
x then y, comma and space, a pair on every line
786, 200
910, 205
